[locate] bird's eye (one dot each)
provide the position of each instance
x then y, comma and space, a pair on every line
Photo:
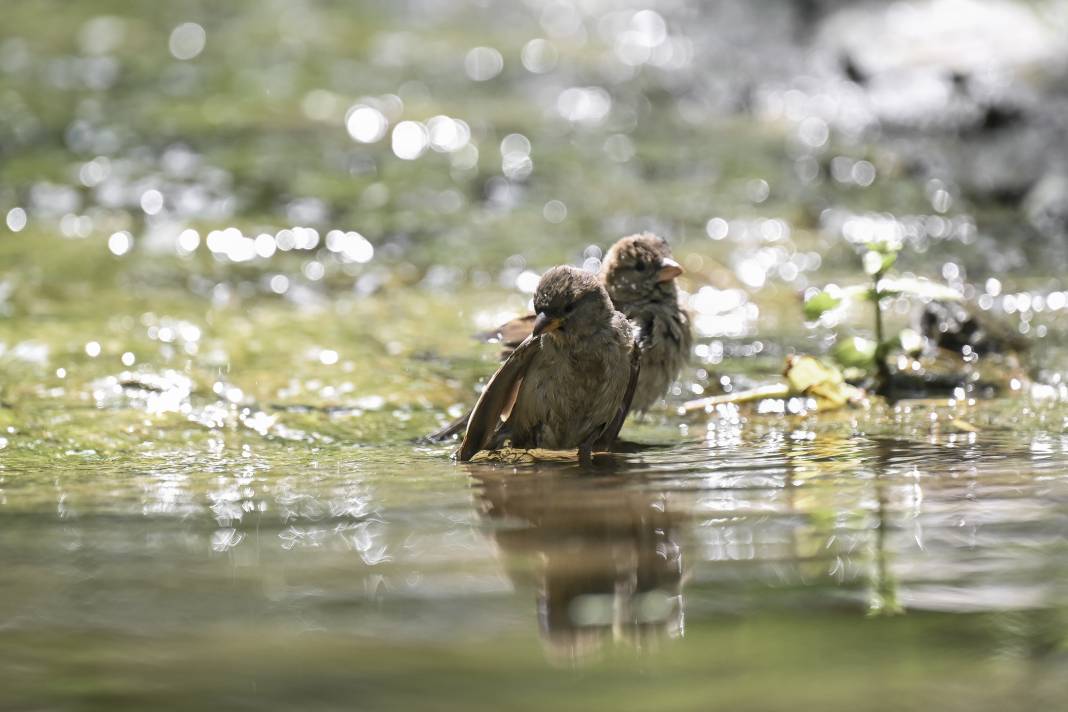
640, 266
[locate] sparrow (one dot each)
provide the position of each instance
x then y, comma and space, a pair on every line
639, 275
569, 383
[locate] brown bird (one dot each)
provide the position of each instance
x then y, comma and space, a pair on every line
568, 384
639, 274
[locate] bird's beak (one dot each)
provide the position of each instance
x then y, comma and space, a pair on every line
669, 270
544, 324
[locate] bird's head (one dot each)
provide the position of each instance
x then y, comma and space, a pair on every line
569, 301
639, 268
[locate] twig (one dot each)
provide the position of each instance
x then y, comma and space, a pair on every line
775, 390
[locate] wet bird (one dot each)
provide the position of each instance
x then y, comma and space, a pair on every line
639, 274
569, 383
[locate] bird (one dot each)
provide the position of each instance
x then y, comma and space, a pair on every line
569, 383
639, 274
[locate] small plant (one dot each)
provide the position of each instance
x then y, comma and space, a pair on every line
872, 356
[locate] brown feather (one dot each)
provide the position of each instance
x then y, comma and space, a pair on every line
514, 332
456, 425
497, 397
611, 432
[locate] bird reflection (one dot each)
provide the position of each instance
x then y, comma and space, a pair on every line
600, 552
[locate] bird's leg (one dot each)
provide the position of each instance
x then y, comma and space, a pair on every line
585, 450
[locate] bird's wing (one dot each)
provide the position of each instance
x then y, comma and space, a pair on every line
611, 431
497, 398
658, 321
646, 335
510, 334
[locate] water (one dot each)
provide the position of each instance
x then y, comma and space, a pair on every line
251, 573
236, 288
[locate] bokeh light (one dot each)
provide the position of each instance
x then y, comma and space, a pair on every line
483, 63
120, 242
539, 56
16, 219
366, 124
409, 140
187, 40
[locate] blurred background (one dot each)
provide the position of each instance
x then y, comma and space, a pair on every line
243, 250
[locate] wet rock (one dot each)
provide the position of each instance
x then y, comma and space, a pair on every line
958, 65
966, 90
954, 327
1046, 205
952, 42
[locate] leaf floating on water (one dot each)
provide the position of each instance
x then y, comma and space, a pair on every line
805, 372
805, 375
808, 376
963, 426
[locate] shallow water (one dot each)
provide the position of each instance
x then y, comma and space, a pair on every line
167, 541
252, 572
229, 309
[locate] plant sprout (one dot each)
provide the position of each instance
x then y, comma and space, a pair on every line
878, 260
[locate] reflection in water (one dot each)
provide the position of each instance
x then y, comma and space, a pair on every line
858, 525
602, 554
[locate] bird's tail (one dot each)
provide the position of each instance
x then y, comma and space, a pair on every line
454, 427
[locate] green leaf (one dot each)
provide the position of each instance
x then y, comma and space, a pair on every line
819, 303
855, 352
824, 300
886, 247
858, 293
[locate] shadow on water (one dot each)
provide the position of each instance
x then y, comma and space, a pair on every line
600, 553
